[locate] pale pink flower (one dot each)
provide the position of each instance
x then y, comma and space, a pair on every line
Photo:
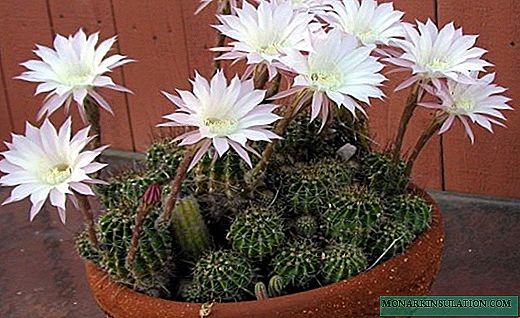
223, 115
432, 54
336, 70
49, 164
479, 103
72, 70
313, 6
369, 22
264, 34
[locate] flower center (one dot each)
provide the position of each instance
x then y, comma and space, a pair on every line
77, 74
325, 81
57, 174
437, 64
367, 36
268, 49
462, 106
221, 127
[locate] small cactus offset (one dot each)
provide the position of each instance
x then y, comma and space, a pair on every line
306, 225
224, 276
352, 215
261, 291
298, 264
340, 261
189, 228
256, 233
393, 238
163, 158
190, 292
276, 286
311, 186
378, 171
153, 261
411, 210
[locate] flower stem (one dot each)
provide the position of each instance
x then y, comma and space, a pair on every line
142, 213
275, 87
260, 76
176, 183
93, 118
279, 129
411, 104
86, 210
423, 140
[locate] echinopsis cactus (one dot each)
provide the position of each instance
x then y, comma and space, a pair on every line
298, 264
410, 209
342, 260
256, 233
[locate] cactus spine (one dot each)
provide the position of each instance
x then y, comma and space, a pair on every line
189, 228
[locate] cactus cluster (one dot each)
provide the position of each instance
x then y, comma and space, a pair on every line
256, 233
379, 171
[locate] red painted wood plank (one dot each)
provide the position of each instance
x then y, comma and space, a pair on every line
23, 23
492, 165
6, 125
384, 116
153, 33
67, 17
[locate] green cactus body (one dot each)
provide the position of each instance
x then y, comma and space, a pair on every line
256, 233
352, 216
340, 261
225, 175
163, 158
306, 225
392, 236
153, 261
298, 264
189, 228
261, 291
411, 210
378, 171
276, 286
224, 276
85, 249
311, 186
191, 292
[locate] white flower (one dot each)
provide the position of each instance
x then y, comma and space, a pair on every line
478, 102
225, 115
432, 54
49, 164
369, 22
264, 34
336, 69
72, 70
311, 5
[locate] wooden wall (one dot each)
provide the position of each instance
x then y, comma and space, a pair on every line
169, 43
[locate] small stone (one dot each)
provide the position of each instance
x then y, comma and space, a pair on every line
347, 151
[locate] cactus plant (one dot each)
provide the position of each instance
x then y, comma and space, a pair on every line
390, 239
223, 276
352, 215
276, 286
411, 210
256, 233
342, 260
153, 261
85, 249
306, 225
311, 186
261, 291
190, 292
163, 158
378, 171
298, 263
189, 228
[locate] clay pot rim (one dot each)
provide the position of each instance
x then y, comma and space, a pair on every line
424, 238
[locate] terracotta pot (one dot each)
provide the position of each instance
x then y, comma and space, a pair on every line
410, 273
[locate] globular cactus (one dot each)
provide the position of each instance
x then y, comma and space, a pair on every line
311, 186
298, 264
378, 171
225, 175
276, 286
153, 262
352, 215
125, 191
342, 260
85, 249
190, 292
261, 291
256, 233
411, 210
163, 158
224, 276
391, 238
189, 228
306, 225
